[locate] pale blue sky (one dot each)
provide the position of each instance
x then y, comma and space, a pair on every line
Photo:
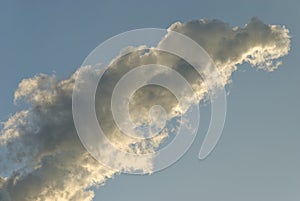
258, 157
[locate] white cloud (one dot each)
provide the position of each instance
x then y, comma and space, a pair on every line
41, 156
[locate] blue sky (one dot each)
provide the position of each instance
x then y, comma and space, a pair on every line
258, 155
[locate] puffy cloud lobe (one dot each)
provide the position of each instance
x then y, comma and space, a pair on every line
257, 43
41, 157
40, 150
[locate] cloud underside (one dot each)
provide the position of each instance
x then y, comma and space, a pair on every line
41, 156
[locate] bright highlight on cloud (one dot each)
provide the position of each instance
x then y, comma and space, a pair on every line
41, 156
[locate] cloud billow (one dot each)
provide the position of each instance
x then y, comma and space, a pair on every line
41, 156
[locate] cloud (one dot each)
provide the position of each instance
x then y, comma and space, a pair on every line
40, 151
256, 43
41, 156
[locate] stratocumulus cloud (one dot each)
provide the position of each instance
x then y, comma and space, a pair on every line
41, 156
